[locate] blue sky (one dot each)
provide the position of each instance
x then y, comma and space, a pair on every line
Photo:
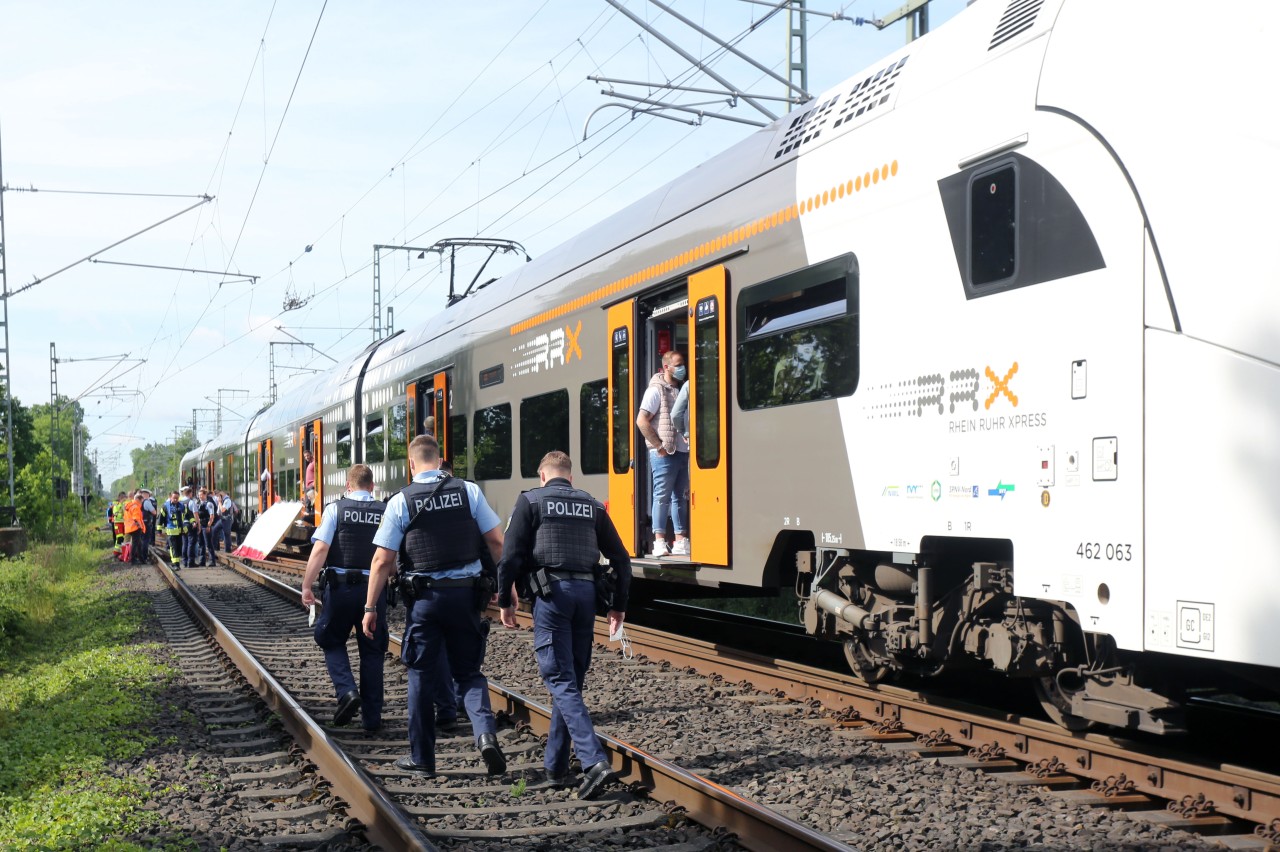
406, 123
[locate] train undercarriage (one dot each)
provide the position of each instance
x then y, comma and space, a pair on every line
952, 609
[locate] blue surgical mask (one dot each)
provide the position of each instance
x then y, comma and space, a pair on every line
680, 373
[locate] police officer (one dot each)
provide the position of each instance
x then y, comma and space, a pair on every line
343, 546
149, 517
174, 516
437, 525
554, 541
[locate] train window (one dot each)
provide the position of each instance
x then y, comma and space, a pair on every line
622, 416
706, 366
799, 336
993, 220
398, 446
344, 446
458, 444
373, 435
593, 427
493, 442
544, 426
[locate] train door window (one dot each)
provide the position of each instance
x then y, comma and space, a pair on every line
398, 442
493, 442
593, 428
373, 438
799, 336
706, 361
544, 426
458, 444
623, 420
993, 225
343, 442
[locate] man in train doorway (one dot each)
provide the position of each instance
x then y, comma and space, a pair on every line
553, 546
668, 454
343, 546
437, 525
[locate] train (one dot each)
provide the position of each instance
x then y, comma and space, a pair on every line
983, 362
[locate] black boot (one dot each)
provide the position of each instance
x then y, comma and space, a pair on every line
493, 759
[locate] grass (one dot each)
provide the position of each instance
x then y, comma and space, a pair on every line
77, 691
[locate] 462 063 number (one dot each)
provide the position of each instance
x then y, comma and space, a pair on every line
1112, 552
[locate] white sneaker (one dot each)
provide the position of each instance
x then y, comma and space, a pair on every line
680, 548
659, 549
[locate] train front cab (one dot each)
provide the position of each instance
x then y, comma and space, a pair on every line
689, 317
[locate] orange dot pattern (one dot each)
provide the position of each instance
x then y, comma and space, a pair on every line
694, 256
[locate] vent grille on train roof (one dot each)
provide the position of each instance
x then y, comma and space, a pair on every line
1019, 16
866, 96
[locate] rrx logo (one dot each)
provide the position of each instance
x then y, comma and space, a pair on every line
961, 386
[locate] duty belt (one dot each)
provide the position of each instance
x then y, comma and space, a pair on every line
421, 582
572, 575
336, 576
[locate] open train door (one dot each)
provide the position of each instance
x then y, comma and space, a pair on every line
267, 483
708, 417
429, 411
622, 431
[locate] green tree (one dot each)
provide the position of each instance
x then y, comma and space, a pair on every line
34, 495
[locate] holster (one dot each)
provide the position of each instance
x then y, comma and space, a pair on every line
540, 583
486, 585
393, 591
606, 585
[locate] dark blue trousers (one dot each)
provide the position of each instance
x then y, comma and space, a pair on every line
444, 619
344, 612
562, 634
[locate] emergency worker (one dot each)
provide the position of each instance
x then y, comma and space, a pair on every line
136, 529
436, 525
343, 546
553, 543
173, 515
117, 521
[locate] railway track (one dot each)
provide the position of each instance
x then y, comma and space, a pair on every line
1238, 806
657, 803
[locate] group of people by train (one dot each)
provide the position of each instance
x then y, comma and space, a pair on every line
439, 545
195, 527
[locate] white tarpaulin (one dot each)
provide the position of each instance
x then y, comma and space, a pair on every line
268, 530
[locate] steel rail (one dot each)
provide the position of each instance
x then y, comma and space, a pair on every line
707, 803
1198, 789
1122, 767
385, 823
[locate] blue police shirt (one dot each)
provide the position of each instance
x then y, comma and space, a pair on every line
396, 520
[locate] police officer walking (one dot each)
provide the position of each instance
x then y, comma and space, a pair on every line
343, 546
438, 525
553, 543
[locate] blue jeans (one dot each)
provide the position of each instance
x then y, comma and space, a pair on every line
562, 633
444, 619
670, 481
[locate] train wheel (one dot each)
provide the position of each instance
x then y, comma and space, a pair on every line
862, 663
1058, 706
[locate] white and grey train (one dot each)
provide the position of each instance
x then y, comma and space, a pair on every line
984, 347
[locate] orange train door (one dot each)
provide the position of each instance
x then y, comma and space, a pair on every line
317, 453
210, 479
440, 406
708, 417
622, 430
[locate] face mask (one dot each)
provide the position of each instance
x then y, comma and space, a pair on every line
680, 373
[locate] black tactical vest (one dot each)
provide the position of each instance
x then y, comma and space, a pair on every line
565, 536
442, 534
352, 545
